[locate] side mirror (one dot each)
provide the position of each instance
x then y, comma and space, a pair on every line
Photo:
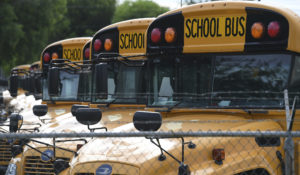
1, 98
147, 121
75, 107
31, 85
16, 150
13, 85
15, 122
40, 110
38, 84
101, 80
88, 116
53, 81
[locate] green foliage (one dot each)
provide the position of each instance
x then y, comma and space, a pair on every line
10, 34
137, 9
92, 15
28, 26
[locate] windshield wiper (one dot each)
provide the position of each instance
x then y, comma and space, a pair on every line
169, 108
108, 103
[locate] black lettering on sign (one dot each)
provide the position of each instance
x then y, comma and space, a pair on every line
227, 27
206, 27
215, 27
188, 23
218, 34
242, 31
72, 54
212, 27
122, 41
132, 41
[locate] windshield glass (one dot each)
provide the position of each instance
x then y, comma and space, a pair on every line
125, 84
212, 81
69, 87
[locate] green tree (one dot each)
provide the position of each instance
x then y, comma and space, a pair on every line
87, 17
10, 34
137, 9
29, 26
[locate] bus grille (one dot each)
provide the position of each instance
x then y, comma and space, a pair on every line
34, 165
5, 151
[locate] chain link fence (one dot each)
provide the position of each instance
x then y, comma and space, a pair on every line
130, 153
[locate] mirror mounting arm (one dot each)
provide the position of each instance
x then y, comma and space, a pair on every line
183, 168
93, 129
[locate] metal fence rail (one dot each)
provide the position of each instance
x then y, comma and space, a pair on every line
182, 153
154, 134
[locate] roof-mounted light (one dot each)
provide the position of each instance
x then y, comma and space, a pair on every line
273, 29
155, 35
46, 57
170, 35
257, 30
108, 44
218, 155
54, 56
97, 45
87, 53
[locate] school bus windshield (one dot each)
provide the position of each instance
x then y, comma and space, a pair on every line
69, 89
125, 84
218, 81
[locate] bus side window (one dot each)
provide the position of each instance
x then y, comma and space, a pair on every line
295, 78
294, 85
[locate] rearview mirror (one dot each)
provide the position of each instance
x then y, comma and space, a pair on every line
40, 110
53, 81
38, 84
1, 98
31, 85
75, 107
13, 85
15, 122
88, 116
101, 75
147, 121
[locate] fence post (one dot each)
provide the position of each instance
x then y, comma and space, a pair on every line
288, 143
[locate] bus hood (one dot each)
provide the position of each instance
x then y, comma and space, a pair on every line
142, 153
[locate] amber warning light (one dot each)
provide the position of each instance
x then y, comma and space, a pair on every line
218, 155
170, 35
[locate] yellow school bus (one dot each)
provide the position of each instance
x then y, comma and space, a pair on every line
17, 80
55, 113
112, 45
223, 62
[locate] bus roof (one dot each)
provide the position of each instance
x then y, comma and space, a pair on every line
70, 41
227, 8
24, 66
132, 23
128, 37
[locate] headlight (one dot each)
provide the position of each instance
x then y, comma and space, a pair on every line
11, 169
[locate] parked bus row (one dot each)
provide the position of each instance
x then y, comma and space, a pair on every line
217, 61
